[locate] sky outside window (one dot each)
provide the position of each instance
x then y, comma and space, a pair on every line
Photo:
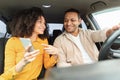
107, 18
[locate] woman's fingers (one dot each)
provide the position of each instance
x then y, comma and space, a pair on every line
30, 56
28, 48
50, 49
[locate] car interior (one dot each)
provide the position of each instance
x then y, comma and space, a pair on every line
54, 13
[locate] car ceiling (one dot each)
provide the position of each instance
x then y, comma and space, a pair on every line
56, 11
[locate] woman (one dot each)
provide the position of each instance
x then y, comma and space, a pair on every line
20, 63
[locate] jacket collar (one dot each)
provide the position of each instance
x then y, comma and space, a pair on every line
65, 32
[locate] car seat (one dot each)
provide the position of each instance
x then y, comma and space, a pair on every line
3, 41
56, 33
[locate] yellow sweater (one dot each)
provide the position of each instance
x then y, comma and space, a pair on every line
14, 52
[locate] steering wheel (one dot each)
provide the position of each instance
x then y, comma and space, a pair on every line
106, 51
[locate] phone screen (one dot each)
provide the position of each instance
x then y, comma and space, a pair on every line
26, 42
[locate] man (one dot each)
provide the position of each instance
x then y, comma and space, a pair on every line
77, 46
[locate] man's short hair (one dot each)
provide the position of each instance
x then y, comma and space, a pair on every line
73, 10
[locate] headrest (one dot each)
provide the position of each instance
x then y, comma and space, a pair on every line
57, 32
2, 18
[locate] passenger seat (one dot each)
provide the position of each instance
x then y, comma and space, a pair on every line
3, 41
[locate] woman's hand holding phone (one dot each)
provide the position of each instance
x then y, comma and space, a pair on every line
29, 56
30, 52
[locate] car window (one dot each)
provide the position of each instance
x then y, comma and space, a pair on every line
54, 26
107, 18
2, 28
83, 25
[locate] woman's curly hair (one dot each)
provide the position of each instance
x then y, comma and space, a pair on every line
22, 24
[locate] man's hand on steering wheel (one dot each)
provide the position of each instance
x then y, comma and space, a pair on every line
111, 30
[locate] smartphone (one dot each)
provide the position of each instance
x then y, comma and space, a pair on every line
26, 42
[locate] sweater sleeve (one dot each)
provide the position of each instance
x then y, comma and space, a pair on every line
49, 61
9, 74
10, 62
